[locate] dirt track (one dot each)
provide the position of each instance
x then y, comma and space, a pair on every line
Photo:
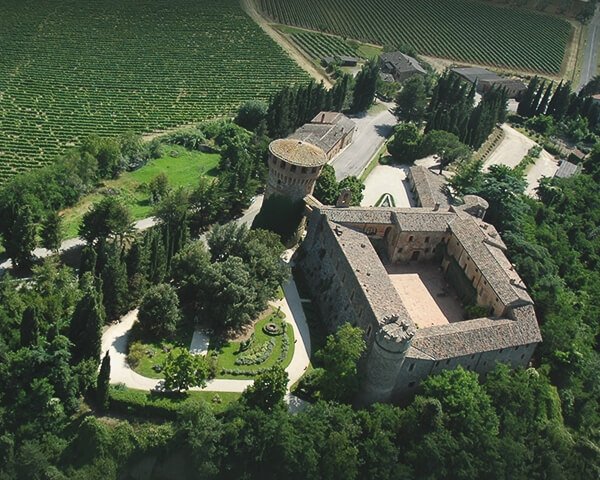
250, 8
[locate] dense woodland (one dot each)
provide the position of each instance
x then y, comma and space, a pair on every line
59, 418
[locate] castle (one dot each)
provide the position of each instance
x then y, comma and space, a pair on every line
403, 275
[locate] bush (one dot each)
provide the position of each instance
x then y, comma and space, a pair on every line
257, 354
475, 311
136, 354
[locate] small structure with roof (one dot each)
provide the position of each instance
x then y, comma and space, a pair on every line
397, 67
330, 131
567, 169
487, 80
341, 60
294, 166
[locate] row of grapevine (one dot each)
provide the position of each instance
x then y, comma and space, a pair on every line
318, 45
70, 68
464, 30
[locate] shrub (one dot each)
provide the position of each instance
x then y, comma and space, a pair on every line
259, 353
136, 354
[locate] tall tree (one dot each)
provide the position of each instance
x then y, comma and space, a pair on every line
541, 109
30, 327
159, 311
21, 239
268, 389
182, 370
103, 383
86, 323
525, 104
52, 232
326, 187
107, 218
114, 284
411, 100
365, 86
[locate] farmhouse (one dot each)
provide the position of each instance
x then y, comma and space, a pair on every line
397, 67
487, 80
330, 131
342, 60
404, 275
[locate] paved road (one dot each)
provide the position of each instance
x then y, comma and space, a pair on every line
372, 131
590, 55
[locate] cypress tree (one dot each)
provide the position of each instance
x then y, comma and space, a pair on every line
524, 107
30, 328
114, 284
103, 382
535, 102
541, 109
86, 323
88, 260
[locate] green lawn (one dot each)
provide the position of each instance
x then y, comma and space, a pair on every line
144, 403
182, 167
230, 351
155, 351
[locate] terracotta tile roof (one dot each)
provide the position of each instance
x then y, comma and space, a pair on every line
298, 152
429, 187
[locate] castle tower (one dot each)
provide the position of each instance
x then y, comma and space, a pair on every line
294, 167
385, 360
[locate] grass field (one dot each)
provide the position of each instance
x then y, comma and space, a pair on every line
69, 68
464, 30
182, 167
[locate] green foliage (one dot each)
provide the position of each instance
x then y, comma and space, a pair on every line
339, 358
365, 86
446, 145
51, 232
182, 370
251, 113
108, 218
103, 382
405, 144
515, 38
328, 189
411, 100
159, 313
87, 322
268, 389
159, 188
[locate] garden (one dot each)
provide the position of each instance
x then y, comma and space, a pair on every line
269, 342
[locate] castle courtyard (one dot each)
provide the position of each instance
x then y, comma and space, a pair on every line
425, 293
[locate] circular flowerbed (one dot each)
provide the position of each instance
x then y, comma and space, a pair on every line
272, 329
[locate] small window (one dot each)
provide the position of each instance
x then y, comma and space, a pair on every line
400, 250
282, 164
501, 350
484, 364
448, 362
293, 168
304, 169
522, 356
369, 330
437, 363
411, 384
313, 170
426, 239
472, 356
411, 367
516, 348
411, 238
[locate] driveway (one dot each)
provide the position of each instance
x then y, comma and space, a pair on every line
511, 149
372, 131
545, 166
590, 54
387, 179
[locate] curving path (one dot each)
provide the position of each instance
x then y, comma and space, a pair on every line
115, 339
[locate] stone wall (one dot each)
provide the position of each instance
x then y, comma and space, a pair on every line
290, 180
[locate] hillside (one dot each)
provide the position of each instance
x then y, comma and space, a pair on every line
462, 30
75, 67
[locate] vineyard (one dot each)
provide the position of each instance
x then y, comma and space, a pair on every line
455, 29
318, 45
69, 68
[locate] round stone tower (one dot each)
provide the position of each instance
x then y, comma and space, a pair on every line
294, 167
385, 360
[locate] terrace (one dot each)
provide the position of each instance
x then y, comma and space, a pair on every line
425, 293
